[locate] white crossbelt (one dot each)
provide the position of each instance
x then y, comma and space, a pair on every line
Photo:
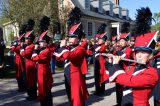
102, 54
67, 64
126, 92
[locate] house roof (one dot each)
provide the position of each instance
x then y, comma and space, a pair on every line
90, 13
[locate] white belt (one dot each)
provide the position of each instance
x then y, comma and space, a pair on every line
67, 64
102, 54
158, 66
107, 72
126, 92
158, 62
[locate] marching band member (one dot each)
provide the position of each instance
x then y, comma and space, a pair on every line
20, 68
132, 41
100, 72
138, 79
125, 52
26, 52
66, 70
43, 58
114, 45
90, 50
44, 72
75, 56
84, 44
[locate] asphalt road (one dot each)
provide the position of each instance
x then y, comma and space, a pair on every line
10, 97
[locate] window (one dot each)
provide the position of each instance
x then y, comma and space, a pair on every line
90, 31
87, 4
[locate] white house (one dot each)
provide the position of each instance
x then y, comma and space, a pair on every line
96, 12
10, 31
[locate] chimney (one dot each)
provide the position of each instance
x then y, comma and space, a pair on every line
116, 2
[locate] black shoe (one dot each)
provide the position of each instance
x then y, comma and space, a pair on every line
20, 90
31, 98
98, 94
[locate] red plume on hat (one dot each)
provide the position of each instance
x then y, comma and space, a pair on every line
146, 41
44, 24
22, 32
101, 33
74, 23
28, 33
20, 37
29, 30
114, 38
124, 31
74, 30
123, 36
132, 38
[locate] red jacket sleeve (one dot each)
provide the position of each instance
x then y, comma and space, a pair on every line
27, 52
42, 56
74, 55
145, 79
102, 49
84, 44
15, 49
127, 53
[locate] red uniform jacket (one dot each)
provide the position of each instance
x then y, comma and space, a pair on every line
52, 48
45, 79
84, 67
79, 91
102, 61
125, 53
19, 61
140, 82
31, 75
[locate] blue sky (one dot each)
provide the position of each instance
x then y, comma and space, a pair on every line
132, 5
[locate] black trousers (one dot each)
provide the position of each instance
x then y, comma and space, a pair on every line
32, 92
68, 87
21, 83
156, 103
2, 73
119, 94
100, 88
47, 101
